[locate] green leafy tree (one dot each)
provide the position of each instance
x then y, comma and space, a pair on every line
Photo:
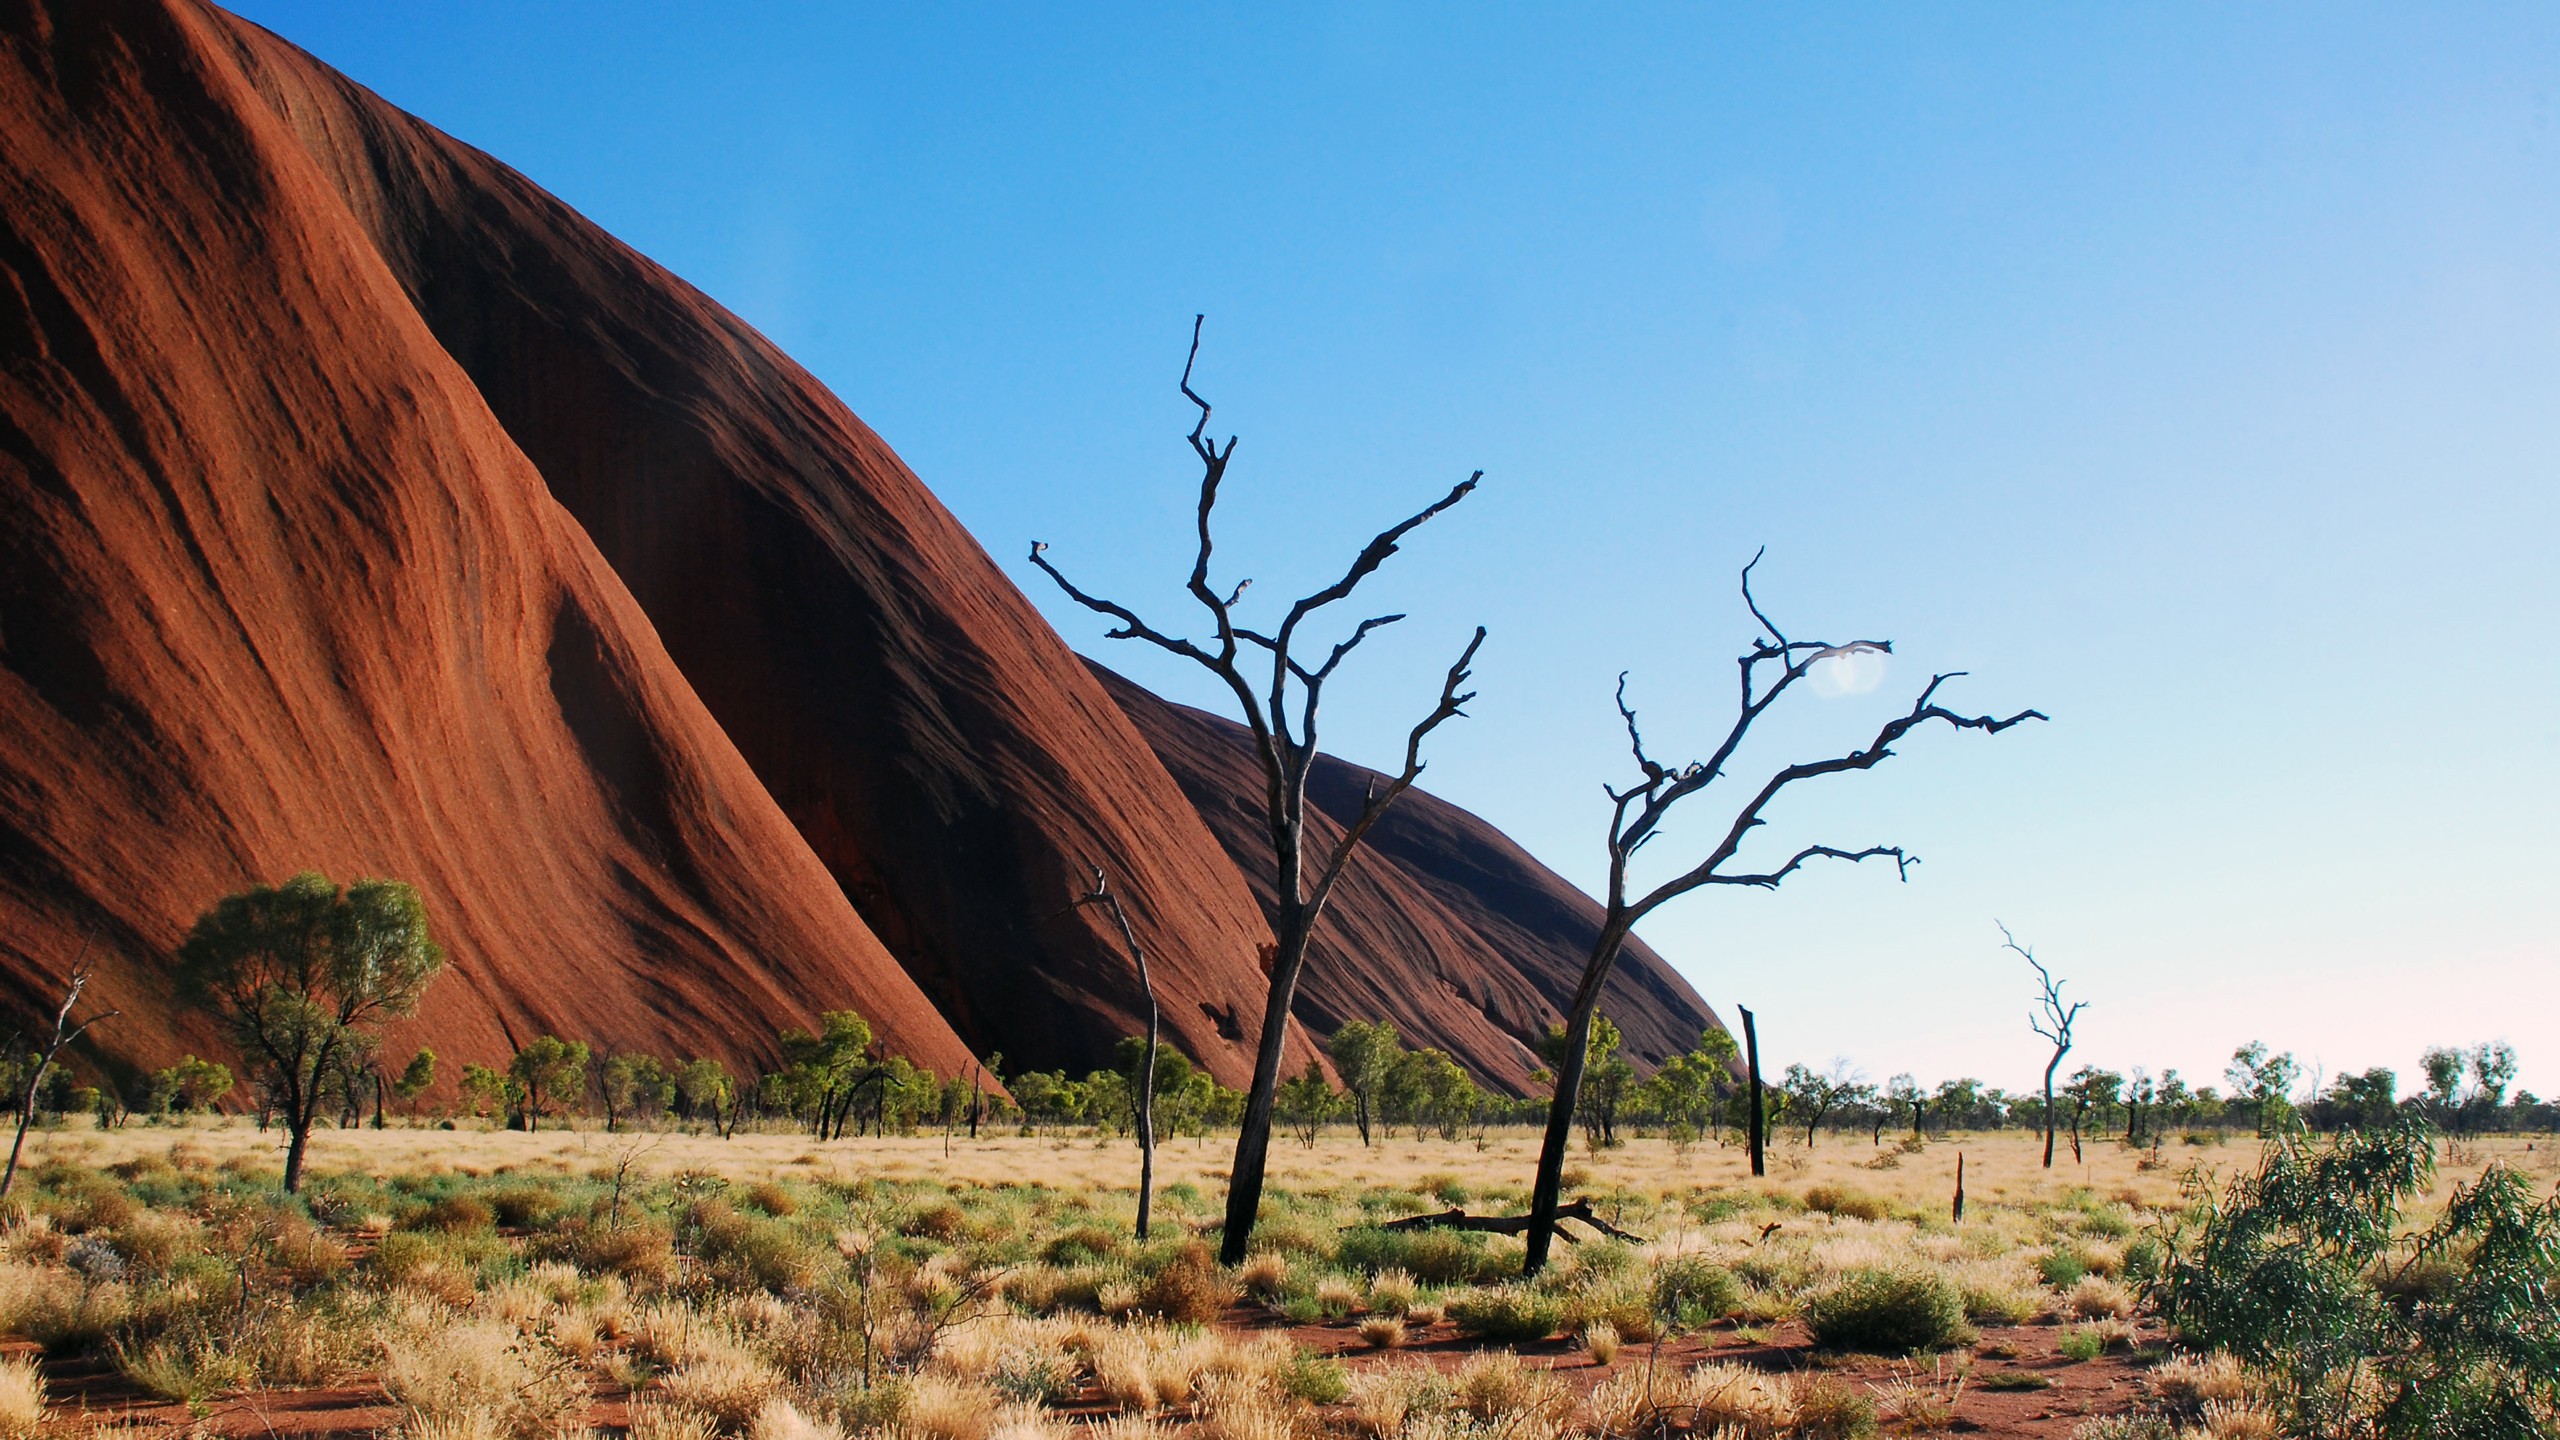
548, 1071
2263, 1081
190, 1087
1812, 1095
415, 1077
1606, 1078
827, 1074
1904, 1092
706, 1091
487, 1091
1432, 1092
2367, 1101
1307, 1102
2094, 1095
1364, 1054
1687, 1090
633, 1086
300, 971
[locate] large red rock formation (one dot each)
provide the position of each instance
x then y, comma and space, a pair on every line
364, 507
277, 591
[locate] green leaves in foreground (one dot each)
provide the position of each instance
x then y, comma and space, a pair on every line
2303, 1270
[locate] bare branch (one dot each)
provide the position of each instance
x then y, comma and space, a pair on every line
1452, 703
1902, 864
1374, 555
1754, 605
1635, 737
1867, 758
2056, 1015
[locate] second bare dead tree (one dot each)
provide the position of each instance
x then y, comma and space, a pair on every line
40, 1062
1280, 709
2050, 1019
1145, 1085
1636, 817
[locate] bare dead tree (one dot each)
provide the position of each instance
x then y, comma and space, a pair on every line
41, 1062
2052, 1020
1101, 895
1636, 817
1281, 713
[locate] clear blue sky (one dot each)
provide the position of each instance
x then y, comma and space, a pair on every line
2190, 373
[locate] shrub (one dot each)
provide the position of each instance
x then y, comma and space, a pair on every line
1315, 1380
942, 1220
22, 1408
1392, 1292
771, 1198
452, 1215
1436, 1257
1691, 1292
632, 1251
1083, 1245
1842, 1201
2280, 1270
523, 1207
1188, 1289
1829, 1410
2096, 1298
477, 1376
2062, 1269
1887, 1311
1507, 1314
1382, 1332
750, 1254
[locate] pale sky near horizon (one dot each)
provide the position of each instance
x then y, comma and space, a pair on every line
2191, 373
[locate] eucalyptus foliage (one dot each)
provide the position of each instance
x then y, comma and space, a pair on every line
2310, 1271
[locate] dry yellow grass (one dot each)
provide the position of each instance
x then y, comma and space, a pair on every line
2000, 1168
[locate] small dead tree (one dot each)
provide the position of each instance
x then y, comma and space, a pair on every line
1101, 895
1636, 817
1280, 710
40, 1062
2052, 1020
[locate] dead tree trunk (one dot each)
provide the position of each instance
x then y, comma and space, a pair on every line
1283, 723
1636, 817
2054, 1024
64, 1032
1759, 1118
1101, 895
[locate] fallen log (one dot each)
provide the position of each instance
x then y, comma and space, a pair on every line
1456, 1218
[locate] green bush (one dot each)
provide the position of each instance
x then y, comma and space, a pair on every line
1830, 1410
1189, 1289
1887, 1312
2294, 1271
2062, 1269
524, 1207
1691, 1292
1435, 1257
1507, 1314
1843, 1201
1084, 1245
1315, 1380
454, 1215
